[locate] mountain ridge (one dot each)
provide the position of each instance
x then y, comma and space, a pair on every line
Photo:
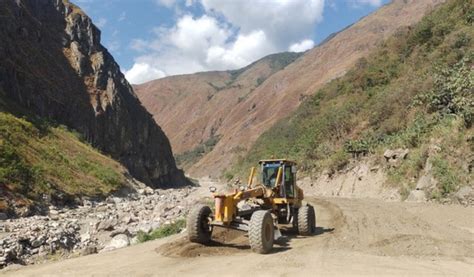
240, 115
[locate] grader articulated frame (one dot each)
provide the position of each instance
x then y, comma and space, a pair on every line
257, 209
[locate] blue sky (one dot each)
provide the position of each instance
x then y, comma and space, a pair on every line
151, 39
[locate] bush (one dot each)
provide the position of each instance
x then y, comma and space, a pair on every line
453, 92
446, 176
228, 176
164, 231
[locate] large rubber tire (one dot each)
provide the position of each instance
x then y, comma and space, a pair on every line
306, 220
261, 232
198, 224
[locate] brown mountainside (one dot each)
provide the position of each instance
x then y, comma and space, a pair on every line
52, 63
235, 111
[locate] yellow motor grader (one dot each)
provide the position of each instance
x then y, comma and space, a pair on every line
257, 209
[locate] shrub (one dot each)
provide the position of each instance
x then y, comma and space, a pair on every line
164, 231
453, 91
446, 176
228, 176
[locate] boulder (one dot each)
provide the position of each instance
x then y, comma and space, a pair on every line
465, 193
85, 237
119, 241
3, 261
416, 196
426, 181
37, 242
53, 212
107, 225
88, 250
394, 156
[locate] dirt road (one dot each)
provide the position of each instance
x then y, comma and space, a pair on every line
354, 237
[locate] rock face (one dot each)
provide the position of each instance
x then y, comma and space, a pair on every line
52, 63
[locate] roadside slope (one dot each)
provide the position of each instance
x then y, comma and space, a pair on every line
239, 117
42, 163
408, 107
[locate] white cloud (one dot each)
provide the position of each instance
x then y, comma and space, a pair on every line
301, 46
375, 3
192, 36
283, 21
230, 35
166, 3
142, 72
245, 49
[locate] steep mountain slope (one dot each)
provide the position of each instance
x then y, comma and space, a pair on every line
415, 92
238, 116
52, 63
43, 163
200, 102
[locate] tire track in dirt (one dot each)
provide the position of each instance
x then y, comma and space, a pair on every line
354, 237
367, 226
389, 229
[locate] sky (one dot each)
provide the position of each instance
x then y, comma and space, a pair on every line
152, 39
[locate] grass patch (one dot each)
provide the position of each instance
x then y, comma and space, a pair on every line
164, 231
39, 159
445, 174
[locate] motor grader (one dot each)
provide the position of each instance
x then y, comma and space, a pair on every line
257, 209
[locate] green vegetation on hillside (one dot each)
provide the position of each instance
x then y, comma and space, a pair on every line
414, 91
40, 160
192, 156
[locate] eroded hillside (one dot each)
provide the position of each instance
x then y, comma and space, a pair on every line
219, 124
408, 107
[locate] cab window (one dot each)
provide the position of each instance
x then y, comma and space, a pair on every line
289, 182
269, 175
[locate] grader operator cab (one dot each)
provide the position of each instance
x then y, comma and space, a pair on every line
257, 209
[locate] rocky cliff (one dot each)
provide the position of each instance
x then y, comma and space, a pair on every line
52, 63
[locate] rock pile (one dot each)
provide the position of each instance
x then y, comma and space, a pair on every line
91, 227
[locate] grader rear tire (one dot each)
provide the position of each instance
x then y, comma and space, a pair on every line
198, 224
261, 232
306, 220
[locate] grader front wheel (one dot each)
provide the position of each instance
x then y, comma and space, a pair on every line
261, 232
198, 224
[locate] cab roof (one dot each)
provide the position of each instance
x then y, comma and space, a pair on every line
272, 161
